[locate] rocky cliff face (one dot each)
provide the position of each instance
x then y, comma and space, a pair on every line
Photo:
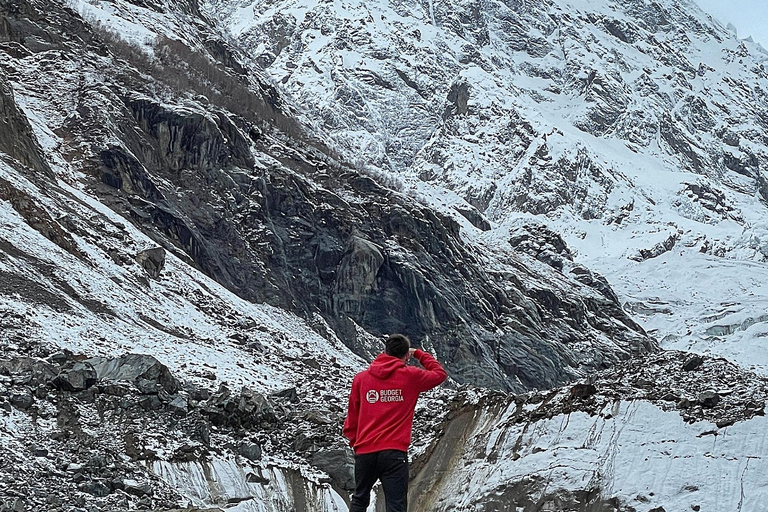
245, 194
633, 129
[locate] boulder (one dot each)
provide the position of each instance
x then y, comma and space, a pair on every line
692, 362
153, 261
96, 488
708, 399
79, 377
340, 466
289, 394
250, 451
179, 405
583, 390
147, 373
137, 488
319, 416
255, 406
27, 371
22, 401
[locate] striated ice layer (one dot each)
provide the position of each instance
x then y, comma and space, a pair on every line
223, 482
631, 454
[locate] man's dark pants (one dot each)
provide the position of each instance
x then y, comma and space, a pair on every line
389, 466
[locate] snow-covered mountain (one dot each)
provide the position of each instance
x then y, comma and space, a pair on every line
232, 184
203, 237
634, 129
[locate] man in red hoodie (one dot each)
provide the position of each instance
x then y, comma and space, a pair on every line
380, 418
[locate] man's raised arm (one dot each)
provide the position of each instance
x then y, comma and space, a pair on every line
433, 373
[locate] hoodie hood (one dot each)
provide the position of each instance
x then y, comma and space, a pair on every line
384, 364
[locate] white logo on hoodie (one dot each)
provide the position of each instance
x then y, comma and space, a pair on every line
372, 396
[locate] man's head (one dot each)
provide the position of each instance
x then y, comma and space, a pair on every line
398, 346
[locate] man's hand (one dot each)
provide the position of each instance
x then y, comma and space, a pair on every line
411, 352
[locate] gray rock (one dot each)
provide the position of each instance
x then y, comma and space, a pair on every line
79, 377
693, 362
250, 451
153, 261
114, 389
254, 407
340, 466
144, 371
137, 488
256, 478
23, 400
179, 405
26, 371
146, 386
583, 390
319, 416
202, 432
150, 403
96, 488
474, 216
708, 399
657, 250
290, 394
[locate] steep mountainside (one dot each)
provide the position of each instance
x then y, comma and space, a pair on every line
177, 136
635, 129
190, 276
202, 240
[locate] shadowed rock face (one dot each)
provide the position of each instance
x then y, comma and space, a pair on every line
276, 218
187, 139
16, 137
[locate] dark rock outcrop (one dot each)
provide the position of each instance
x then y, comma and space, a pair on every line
79, 377
146, 372
153, 261
17, 139
657, 250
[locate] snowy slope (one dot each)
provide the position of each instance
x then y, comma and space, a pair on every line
185, 319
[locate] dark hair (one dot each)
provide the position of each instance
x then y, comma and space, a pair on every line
398, 345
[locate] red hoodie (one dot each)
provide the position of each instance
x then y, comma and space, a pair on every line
382, 401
